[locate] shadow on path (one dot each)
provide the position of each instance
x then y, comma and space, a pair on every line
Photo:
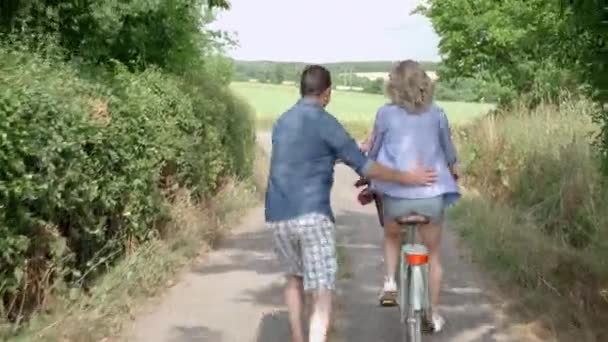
274, 327
469, 314
252, 251
194, 334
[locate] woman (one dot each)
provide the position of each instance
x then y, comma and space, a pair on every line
410, 130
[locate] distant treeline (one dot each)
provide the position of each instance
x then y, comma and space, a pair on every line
277, 72
348, 74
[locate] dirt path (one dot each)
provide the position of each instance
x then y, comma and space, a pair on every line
235, 294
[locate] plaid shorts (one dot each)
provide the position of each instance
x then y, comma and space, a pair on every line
306, 247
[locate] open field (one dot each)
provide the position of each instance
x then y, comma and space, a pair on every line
373, 75
354, 110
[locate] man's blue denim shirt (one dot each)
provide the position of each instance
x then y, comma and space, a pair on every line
306, 142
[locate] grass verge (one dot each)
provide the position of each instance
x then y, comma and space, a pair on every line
344, 269
344, 274
101, 313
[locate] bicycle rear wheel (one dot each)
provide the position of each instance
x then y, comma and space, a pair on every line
412, 328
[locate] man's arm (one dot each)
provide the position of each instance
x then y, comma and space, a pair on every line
379, 131
346, 149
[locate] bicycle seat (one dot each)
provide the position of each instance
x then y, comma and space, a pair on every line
413, 219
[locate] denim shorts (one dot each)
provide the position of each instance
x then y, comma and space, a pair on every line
433, 207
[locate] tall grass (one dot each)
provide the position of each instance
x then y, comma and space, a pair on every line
539, 219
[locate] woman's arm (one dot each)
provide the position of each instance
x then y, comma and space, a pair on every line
376, 137
366, 144
445, 139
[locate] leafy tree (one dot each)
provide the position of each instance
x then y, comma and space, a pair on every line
525, 47
135, 32
375, 87
591, 17
461, 89
531, 50
279, 76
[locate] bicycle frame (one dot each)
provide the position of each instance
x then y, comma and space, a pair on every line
414, 300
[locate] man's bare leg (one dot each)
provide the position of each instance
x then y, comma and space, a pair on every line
319, 319
294, 297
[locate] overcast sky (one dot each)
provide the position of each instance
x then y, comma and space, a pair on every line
328, 30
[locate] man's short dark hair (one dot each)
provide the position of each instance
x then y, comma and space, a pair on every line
315, 80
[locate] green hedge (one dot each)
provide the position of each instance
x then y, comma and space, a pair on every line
86, 167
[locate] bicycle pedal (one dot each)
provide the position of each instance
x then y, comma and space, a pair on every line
388, 299
388, 302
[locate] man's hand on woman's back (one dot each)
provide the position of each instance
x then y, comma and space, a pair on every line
419, 175
361, 182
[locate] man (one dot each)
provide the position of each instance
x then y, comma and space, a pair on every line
306, 142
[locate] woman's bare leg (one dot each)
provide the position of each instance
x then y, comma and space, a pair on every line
392, 244
431, 237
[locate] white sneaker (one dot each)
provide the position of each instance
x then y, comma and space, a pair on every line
388, 295
437, 322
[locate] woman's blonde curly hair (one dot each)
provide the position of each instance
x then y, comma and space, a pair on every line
410, 87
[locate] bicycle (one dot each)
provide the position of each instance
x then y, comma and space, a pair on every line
414, 294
